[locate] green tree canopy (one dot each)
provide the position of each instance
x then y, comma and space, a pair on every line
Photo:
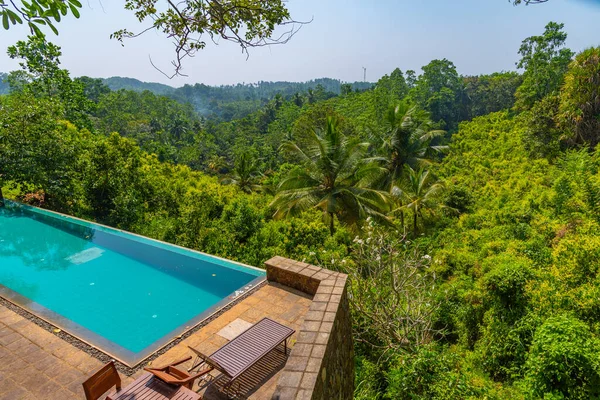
42, 76
245, 174
579, 110
439, 90
545, 60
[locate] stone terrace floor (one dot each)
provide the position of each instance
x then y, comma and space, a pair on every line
36, 364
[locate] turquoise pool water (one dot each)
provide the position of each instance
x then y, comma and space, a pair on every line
116, 289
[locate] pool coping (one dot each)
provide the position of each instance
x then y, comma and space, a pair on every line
127, 358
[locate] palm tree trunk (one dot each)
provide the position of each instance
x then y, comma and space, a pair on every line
402, 219
415, 223
331, 222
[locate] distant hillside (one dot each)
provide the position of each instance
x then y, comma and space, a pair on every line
227, 102
117, 83
232, 101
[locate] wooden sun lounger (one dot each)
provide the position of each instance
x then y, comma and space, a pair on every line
247, 349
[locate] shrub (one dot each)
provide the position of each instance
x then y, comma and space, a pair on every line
564, 360
502, 349
433, 372
242, 219
505, 283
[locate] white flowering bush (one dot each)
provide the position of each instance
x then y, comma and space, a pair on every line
391, 292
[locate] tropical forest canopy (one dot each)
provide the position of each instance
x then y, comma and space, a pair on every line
464, 208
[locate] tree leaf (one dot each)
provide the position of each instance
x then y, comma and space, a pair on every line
14, 18
74, 10
5, 20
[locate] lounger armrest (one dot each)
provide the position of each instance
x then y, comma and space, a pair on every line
169, 365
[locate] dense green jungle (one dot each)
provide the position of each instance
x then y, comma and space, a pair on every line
465, 209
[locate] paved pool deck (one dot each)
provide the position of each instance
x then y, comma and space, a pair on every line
37, 364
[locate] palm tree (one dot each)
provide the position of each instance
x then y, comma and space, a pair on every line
298, 99
245, 174
334, 178
408, 141
216, 163
420, 192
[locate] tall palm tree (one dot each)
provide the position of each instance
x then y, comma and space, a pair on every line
334, 178
419, 192
407, 141
216, 163
245, 174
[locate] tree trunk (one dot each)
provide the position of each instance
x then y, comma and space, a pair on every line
331, 222
402, 219
415, 223
1, 197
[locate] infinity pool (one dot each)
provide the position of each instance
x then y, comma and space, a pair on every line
123, 293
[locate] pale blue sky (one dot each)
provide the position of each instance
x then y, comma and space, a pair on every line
479, 36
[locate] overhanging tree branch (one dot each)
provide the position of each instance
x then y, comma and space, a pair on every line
249, 23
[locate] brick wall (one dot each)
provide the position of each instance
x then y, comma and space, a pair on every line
321, 363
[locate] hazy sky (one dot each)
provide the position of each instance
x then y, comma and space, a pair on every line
479, 36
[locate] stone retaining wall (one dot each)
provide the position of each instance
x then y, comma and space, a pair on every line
321, 363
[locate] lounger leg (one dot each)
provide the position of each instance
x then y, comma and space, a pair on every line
230, 391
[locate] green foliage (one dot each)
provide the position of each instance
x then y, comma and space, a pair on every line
420, 194
458, 198
435, 373
243, 219
37, 149
114, 183
158, 124
245, 174
409, 140
502, 347
579, 110
563, 360
369, 380
42, 76
117, 83
333, 177
491, 93
37, 13
545, 60
542, 137
439, 90
506, 282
